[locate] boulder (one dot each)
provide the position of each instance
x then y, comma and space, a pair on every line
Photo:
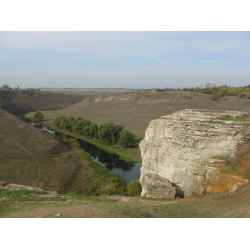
156, 186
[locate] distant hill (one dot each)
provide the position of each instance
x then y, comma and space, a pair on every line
23, 100
134, 110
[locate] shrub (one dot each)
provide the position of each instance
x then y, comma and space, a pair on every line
26, 119
134, 188
73, 142
215, 97
115, 189
38, 124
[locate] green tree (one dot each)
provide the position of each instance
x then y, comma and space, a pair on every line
38, 116
116, 133
57, 121
106, 132
126, 138
93, 130
61, 125
198, 89
79, 126
69, 122
134, 188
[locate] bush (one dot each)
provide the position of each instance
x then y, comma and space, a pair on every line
115, 189
134, 188
38, 124
215, 97
26, 119
74, 143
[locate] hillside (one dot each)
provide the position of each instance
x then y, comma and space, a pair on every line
24, 100
134, 110
33, 157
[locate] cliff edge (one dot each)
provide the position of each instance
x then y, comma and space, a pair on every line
192, 149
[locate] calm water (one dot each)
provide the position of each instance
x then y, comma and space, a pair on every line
128, 170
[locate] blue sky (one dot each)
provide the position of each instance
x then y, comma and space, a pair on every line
124, 59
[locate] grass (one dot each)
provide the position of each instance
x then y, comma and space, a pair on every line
102, 170
240, 119
246, 124
26, 203
233, 168
217, 122
32, 157
20, 101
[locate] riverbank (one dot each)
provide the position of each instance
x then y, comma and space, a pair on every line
126, 154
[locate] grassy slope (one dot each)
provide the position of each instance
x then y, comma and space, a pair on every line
20, 101
23, 204
33, 157
136, 114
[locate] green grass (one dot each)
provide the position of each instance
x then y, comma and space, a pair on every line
240, 119
217, 122
246, 124
233, 168
85, 197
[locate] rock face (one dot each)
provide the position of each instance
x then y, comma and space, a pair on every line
189, 148
156, 186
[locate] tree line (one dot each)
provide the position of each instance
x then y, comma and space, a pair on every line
107, 133
223, 90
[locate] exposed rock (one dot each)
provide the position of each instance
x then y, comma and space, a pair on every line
12, 186
156, 186
190, 147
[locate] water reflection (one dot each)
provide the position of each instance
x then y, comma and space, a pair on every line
128, 170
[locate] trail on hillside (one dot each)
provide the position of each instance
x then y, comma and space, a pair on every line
38, 174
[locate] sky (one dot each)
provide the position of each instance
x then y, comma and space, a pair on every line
123, 59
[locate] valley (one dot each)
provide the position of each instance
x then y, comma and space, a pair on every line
33, 157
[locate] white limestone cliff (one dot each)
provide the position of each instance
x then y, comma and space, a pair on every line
190, 148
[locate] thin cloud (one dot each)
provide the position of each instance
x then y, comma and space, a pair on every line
218, 62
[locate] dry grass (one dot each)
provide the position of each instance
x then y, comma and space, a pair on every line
90, 92
223, 205
33, 157
136, 112
20, 101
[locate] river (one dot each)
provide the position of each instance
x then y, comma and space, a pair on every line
128, 170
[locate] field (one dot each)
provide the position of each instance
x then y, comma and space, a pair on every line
86, 91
